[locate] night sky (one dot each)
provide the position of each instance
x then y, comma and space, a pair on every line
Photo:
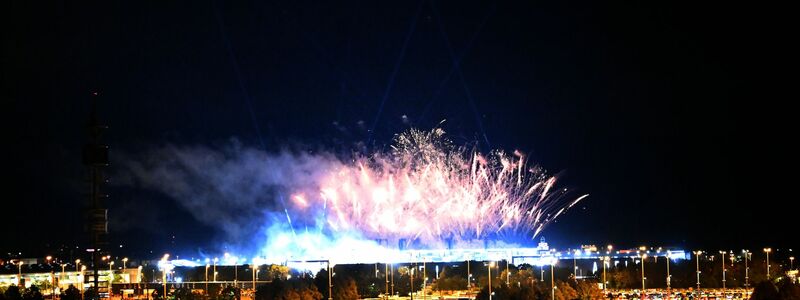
633, 102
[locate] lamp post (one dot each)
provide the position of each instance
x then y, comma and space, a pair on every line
669, 278
791, 263
508, 274
491, 264
255, 269
386, 275
411, 270
609, 248
110, 272
330, 285
124, 262
19, 274
722, 259
644, 258
732, 257
767, 251
215, 268
164, 273
606, 259
52, 276
391, 275
53, 284
469, 276
424, 277
697, 261
746, 268
541, 268
80, 276
139, 277
574, 267
207, 265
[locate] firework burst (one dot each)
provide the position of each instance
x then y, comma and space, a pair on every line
427, 190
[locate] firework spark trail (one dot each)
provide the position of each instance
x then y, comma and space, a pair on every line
428, 190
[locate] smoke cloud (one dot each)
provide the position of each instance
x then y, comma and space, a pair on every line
234, 188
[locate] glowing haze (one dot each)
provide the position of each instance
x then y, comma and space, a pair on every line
424, 192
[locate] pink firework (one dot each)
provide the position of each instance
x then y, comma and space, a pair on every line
428, 190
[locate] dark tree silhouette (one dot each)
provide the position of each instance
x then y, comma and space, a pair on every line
13, 293
71, 293
345, 289
515, 292
290, 289
587, 289
765, 290
32, 293
91, 294
184, 293
789, 290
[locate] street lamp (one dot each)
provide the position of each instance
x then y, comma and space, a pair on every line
330, 283
411, 269
110, 272
139, 277
668, 276
746, 268
215, 268
164, 273
235, 271
77, 265
606, 259
791, 263
469, 276
386, 275
722, 259
697, 261
81, 278
767, 251
424, 276
541, 275
575, 265
19, 278
391, 276
206, 278
491, 264
644, 258
124, 261
255, 268
52, 275
508, 273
